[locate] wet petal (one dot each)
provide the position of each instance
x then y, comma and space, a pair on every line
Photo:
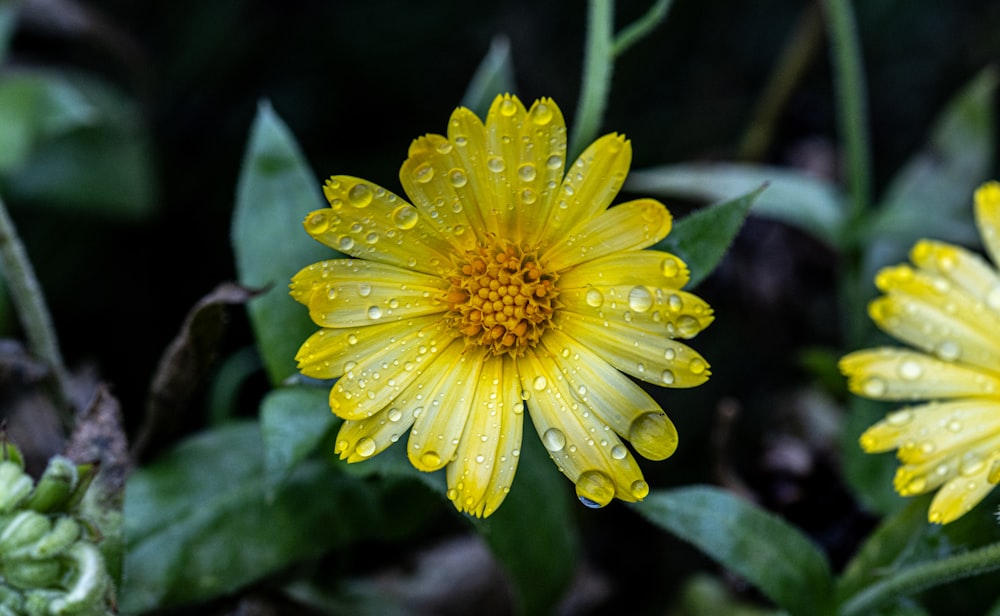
439, 427
654, 359
959, 267
647, 310
637, 267
353, 292
576, 439
630, 226
467, 132
328, 353
359, 440
935, 429
375, 382
987, 209
962, 493
367, 221
483, 470
614, 398
590, 185
898, 374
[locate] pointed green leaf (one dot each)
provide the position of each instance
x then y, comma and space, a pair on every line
794, 198
493, 76
293, 421
276, 190
763, 549
702, 238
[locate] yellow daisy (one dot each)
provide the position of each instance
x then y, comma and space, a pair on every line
949, 308
506, 284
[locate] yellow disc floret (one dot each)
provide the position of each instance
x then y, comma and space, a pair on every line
502, 298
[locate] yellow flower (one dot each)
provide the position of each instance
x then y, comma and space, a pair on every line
949, 307
508, 285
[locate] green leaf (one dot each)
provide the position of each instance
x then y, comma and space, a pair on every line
794, 198
702, 238
760, 547
198, 523
294, 420
931, 195
869, 475
642, 27
276, 190
533, 533
598, 64
8, 22
493, 76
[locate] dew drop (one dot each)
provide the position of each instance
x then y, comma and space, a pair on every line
528, 196
317, 222
640, 299
595, 489
669, 354
594, 298
899, 417
618, 452
697, 366
345, 243
507, 107
554, 162
424, 173
364, 289
675, 303
949, 350
495, 164
359, 195
405, 217
541, 114
430, 459
640, 489
395, 414
954, 425
331, 293
993, 298
874, 387
668, 378
910, 370
365, 447
540, 383
526, 172
669, 267
457, 178
653, 435
687, 326
554, 439
374, 312
452, 494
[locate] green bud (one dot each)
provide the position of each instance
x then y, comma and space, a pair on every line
22, 530
55, 487
9, 452
26, 574
15, 486
64, 533
89, 588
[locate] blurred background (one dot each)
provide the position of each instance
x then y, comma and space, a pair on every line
124, 198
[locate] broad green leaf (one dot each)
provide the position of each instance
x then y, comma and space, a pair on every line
276, 190
198, 523
760, 547
702, 238
931, 196
533, 533
806, 202
493, 76
293, 421
869, 475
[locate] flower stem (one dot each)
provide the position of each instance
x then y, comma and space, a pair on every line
850, 88
598, 63
641, 27
923, 576
29, 302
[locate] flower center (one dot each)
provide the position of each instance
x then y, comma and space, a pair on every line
502, 298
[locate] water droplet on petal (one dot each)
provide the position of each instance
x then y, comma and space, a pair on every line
618, 452
595, 489
954, 425
507, 107
457, 178
430, 459
317, 222
910, 370
653, 435
670, 267
526, 172
687, 326
405, 217
541, 114
345, 243
874, 387
697, 366
364, 289
540, 383
424, 173
374, 312
594, 298
668, 378
359, 195
949, 350
554, 439
640, 489
395, 414
554, 162
640, 299
495, 164
365, 447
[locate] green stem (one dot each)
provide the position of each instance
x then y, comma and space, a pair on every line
923, 576
597, 68
29, 302
641, 27
850, 92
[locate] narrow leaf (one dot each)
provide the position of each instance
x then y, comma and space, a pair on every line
276, 190
794, 198
760, 547
598, 64
493, 76
702, 238
294, 420
642, 27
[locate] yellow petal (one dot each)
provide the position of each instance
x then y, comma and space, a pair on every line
590, 185
440, 425
936, 429
961, 268
327, 353
584, 448
481, 475
961, 494
367, 221
355, 292
362, 439
438, 182
613, 397
654, 359
377, 381
897, 374
637, 267
630, 226
467, 133
655, 311
987, 208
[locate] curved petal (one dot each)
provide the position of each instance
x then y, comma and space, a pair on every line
483, 470
367, 221
896, 374
590, 185
966, 270
636, 267
654, 359
630, 226
647, 310
934, 430
355, 292
963, 493
328, 353
376, 381
614, 398
467, 133
440, 424
584, 448
359, 440
987, 209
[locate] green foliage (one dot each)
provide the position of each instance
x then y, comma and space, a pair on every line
760, 547
702, 238
293, 421
276, 190
493, 76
